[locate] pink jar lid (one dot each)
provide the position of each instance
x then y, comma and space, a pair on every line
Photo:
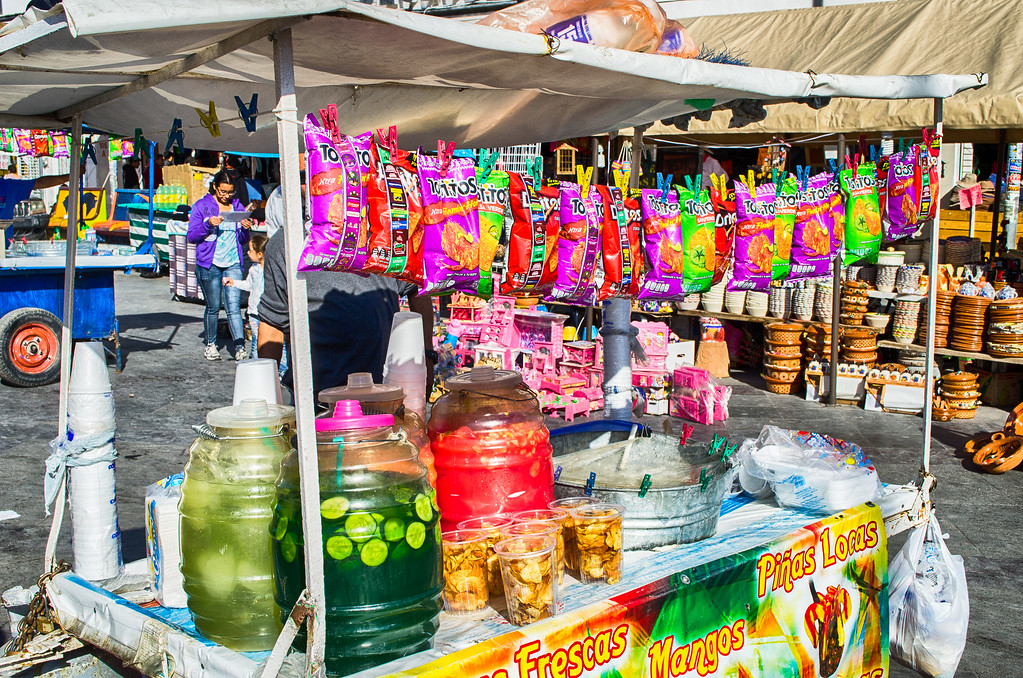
348, 416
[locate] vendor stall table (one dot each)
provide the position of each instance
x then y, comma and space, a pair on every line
752, 594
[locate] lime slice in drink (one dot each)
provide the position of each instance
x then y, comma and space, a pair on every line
394, 529
281, 528
289, 547
374, 552
423, 507
361, 527
436, 532
378, 517
339, 547
333, 508
433, 500
415, 535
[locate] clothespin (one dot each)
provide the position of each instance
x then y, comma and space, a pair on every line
664, 185
621, 179
89, 151
583, 177
716, 183
590, 482
728, 451
774, 177
716, 443
687, 431
209, 119
248, 113
390, 140
751, 181
141, 144
862, 145
848, 162
557, 472
857, 159
444, 152
176, 136
803, 176
705, 479
534, 168
328, 119
873, 153
833, 165
340, 448
694, 183
487, 162
645, 485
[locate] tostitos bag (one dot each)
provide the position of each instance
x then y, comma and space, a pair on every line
784, 223
813, 250
451, 226
698, 236
862, 212
754, 236
903, 202
928, 178
664, 276
493, 200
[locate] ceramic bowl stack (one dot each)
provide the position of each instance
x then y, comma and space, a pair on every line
690, 302
960, 249
822, 302
783, 366
884, 281
969, 319
877, 321
802, 300
779, 301
925, 253
865, 273
1005, 328
756, 303
912, 249
907, 320
735, 302
907, 278
713, 300
817, 342
959, 392
859, 347
854, 302
942, 317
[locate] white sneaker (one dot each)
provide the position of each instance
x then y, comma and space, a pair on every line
241, 354
211, 352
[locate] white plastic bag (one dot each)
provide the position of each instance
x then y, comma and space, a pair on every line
163, 540
929, 604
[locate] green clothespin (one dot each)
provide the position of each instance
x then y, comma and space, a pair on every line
715, 444
534, 168
340, 447
705, 479
728, 451
487, 162
645, 485
774, 176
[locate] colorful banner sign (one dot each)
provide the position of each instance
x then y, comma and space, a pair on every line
812, 604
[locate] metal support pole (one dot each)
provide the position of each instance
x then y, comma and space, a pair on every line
836, 301
996, 221
932, 297
301, 361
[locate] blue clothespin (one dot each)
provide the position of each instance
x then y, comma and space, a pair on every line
645, 485
247, 113
487, 162
664, 185
705, 478
590, 482
176, 136
873, 153
89, 151
557, 472
833, 165
340, 447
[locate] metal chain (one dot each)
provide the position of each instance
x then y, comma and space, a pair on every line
39, 617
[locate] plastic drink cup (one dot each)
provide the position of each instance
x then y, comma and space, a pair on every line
464, 557
257, 378
89, 369
491, 526
406, 344
548, 527
566, 504
598, 534
528, 572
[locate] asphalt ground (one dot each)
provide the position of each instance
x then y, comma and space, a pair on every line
167, 386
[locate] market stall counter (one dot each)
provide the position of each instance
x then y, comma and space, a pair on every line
775, 591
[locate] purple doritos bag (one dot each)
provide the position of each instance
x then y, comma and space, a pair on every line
451, 241
903, 205
578, 245
337, 239
813, 247
754, 237
662, 245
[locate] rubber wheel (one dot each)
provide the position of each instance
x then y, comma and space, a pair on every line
30, 347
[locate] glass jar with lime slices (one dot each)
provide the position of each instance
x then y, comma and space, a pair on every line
226, 507
381, 540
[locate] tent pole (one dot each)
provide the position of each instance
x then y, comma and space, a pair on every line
996, 221
836, 304
301, 362
932, 297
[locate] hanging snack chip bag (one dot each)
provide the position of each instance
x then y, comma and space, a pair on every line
754, 236
337, 239
664, 276
451, 224
634, 221
493, 199
578, 245
927, 178
862, 214
395, 217
723, 199
813, 249
616, 247
698, 236
903, 202
884, 165
784, 224
531, 263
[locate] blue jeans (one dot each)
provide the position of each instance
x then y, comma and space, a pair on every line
215, 293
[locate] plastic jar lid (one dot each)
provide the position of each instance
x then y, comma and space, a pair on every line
484, 379
348, 416
361, 387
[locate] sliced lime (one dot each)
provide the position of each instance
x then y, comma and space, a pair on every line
361, 526
394, 529
374, 552
423, 507
402, 494
436, 531
433, 500
339, 547
334, 508
378, 517
415, 535
289, 547
281, 528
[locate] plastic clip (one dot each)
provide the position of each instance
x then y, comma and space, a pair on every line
249, 113
208, 119
444, 154
141, 144
584, 176
328, 118
687, 432
176, 136
645, 485
590, 482
705, 478
557, 472
534, 168
487, 162
664, 184
728, 451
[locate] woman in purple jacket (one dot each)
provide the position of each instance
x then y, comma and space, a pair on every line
219, 253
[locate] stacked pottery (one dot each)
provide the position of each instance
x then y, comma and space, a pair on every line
756, 303
783, 366
859, 347
969, 315
907, 320
942, 318
822, 302
817, 342
907, 279
735, 302
959, 250
802, 300
925, 253
959, 393
913, 250
690, 302
1005, 328
779, 301
885, 279
854, 302
713, 299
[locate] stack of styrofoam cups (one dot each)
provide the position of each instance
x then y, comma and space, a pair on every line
405, 364
96, 537
257, 378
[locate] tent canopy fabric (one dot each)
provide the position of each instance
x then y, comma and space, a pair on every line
909, 36
432, 77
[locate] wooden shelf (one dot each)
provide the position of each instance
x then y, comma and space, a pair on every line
951, 352
742, 317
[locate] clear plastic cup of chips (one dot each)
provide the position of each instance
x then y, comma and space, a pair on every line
491, 525
528, 571
548, 527
567, 504
464, 558
598, 535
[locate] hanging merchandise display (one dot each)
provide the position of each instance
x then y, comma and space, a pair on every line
818, 215
451, 223
662, 242
698, 235
578, 244
784, 224
754, 235
862, 212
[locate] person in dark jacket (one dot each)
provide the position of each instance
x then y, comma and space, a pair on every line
130, 174
219, 254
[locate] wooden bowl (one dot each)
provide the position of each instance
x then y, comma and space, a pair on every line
782, 348
960, 377
1002, 454
782, 361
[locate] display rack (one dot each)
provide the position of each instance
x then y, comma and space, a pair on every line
951, 352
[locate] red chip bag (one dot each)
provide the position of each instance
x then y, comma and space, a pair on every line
723, 199
532, 258
634, 222
616, 247
927, 177
395, 217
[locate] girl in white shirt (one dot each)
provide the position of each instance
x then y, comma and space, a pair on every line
253, 284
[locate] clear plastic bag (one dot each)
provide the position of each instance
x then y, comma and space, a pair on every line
163, 540
929, 603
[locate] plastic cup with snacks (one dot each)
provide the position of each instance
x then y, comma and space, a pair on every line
528, 572
598, 534
464, 559
567, 504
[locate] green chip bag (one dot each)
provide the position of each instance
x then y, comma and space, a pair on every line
784, 223
493, 197
698, 236
862, 214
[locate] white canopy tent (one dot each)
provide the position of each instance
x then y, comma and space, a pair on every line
119, 65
